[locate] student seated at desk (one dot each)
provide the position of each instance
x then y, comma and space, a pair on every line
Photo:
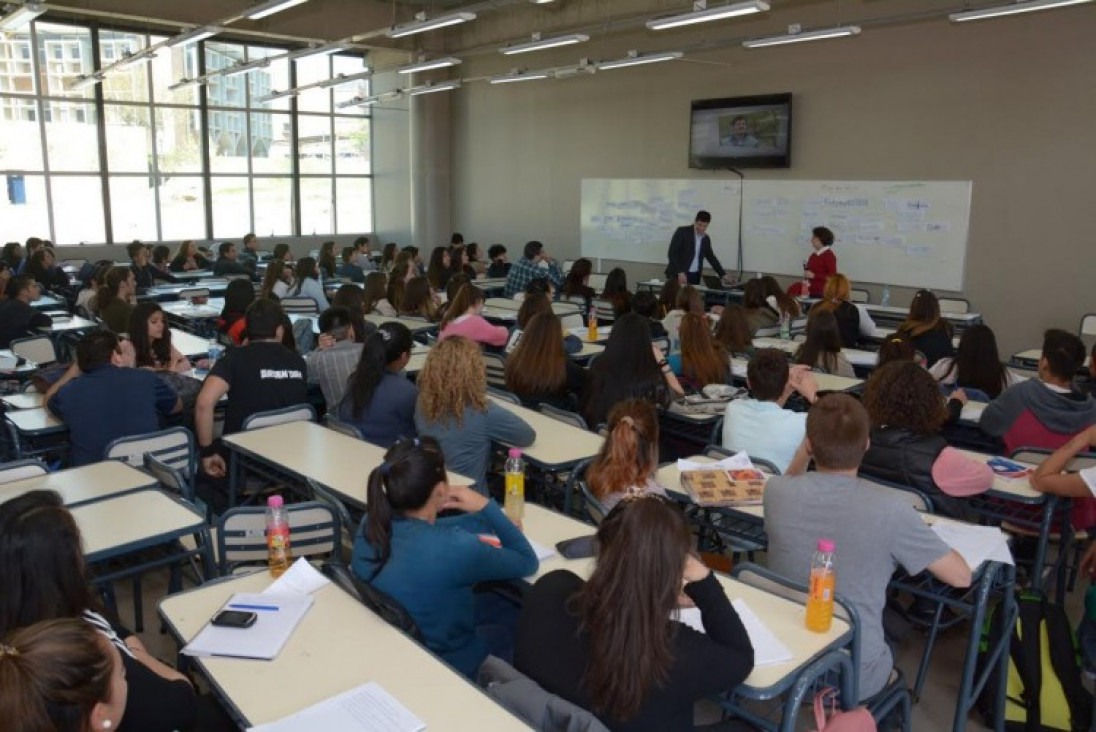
760, 426
430, 565
151, 339
576, 288
630, 367
61, 675
759, 314
781, 303
688, 301
976, 367
419, 300
336, 357
822, 348
41, 268
533, 265
611, 645
874, 531
667, 297
374, 295
931, 334
102, 397
277, 280
325, 262
500, 264
249, 255
352, 298
454, 409
853, 320
439, 270
41, 554
1050, 477
17, 318
308, 284
348, 270
257, 377
401, 274
539, 370
645, 303
459, 263
1047, 411
899, 347
701, 361
379, 400
532, 306
463, 317
227, 262
115, 298
147, 275
616, 292
906, 413
628, 459
733, 332
187, 258
238, 297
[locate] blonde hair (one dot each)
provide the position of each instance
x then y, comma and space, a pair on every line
454, 378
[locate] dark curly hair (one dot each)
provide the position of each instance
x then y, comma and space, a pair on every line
902, 394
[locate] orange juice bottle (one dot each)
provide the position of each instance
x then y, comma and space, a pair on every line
822, 585
591, 327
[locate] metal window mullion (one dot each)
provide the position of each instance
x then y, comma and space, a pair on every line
40, 107
203, 124
101, 136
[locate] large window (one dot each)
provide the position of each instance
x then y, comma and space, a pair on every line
132, 158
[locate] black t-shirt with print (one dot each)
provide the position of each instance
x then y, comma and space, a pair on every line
261, 376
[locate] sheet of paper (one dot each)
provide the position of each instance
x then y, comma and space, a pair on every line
768, 649
976, 544
689, 616
276, 617
972, 412
543, 552
740, 461
367, 707
300, 579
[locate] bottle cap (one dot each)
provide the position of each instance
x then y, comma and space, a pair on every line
824, 545
515, 452
275, 502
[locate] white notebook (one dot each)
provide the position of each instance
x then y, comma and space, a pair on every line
366, 708
276, 618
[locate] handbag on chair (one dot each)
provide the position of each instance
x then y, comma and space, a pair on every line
854, 720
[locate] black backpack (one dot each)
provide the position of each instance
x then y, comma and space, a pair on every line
1044, 691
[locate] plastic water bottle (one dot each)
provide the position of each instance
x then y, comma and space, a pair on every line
886, 295
591, 329
279, 556
215, 351
822, 585
514, 504
785, 327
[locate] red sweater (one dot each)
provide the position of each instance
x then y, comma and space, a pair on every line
821, 264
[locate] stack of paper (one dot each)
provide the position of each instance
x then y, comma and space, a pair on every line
368, 707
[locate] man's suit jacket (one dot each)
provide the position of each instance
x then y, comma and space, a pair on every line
683, 249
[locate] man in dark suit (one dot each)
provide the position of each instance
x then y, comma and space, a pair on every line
689, 247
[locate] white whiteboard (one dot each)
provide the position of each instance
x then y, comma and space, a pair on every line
633, 220
894, 232
911, 233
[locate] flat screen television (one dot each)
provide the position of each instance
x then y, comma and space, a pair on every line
741, 132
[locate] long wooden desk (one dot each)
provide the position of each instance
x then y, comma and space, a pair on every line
86, 484
337, 646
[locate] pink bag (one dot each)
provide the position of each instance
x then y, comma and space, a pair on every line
855, 720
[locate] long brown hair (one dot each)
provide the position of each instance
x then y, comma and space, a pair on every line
533, 305
374, 290
629, 454
53, 673
667, 298
625, 606
468, 296
418, 299
702, 359
924, 314
785, 303
689, 300
823, 344
537, 366
454, 378
733, 330
274, 271
397, 283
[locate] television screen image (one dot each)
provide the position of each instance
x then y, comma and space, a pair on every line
742, 132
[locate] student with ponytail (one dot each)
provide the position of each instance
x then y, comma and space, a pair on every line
463, 318
379, 401
628, 458
431, 565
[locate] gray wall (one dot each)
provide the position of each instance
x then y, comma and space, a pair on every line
1006, 103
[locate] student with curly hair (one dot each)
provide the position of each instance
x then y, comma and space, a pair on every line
907, 412
454, 409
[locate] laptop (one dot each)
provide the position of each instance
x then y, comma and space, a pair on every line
714, 283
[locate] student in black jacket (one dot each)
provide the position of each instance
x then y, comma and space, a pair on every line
17, 318
610, 644
146, 274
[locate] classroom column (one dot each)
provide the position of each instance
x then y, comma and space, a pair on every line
430, 171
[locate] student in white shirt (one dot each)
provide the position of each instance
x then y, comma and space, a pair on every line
308, 283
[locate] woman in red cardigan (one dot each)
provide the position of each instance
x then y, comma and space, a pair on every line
822, 263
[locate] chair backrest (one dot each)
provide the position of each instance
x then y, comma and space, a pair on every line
496, 370
21, 469
918, 500
294, 413
604, 310
860, 296
525, 698
577, 480
38, 349
169, 477
320, 494
566, 307
381, 603
299, 305
504, 395
192, 293
342, 427
572, 418
571, 320
173, 447
314, 529
954, 305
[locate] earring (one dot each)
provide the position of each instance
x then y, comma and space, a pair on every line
107, 724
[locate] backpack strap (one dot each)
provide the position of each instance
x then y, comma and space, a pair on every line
1063, 659
1024, 651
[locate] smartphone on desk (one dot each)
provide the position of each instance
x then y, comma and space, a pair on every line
234, 619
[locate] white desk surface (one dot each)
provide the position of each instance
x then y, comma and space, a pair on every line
668, 476
882, 333
72, 322
189, 344
826, 382
413, 324
490, 311
168, 288
1032, 354
338, 645
333, 459
194, 274
503, 303
29, 421
24, 400
895, 311
583, 333
855, 356
115, 522
84, 484
1020, 488
588, 350
557, 443
184, 309
783, 617
418, 358
490, 282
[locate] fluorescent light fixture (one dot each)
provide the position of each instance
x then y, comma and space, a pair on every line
84, 82
518, 76
387, 96
22, 15
538, 43
437, 63
817, 35
429, 88
184, 83
276, 95
269, 8
344, 79
1021, 7
193, 36
635, 59
244, 68
134, 59
421, 24
704, 14
325, 50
